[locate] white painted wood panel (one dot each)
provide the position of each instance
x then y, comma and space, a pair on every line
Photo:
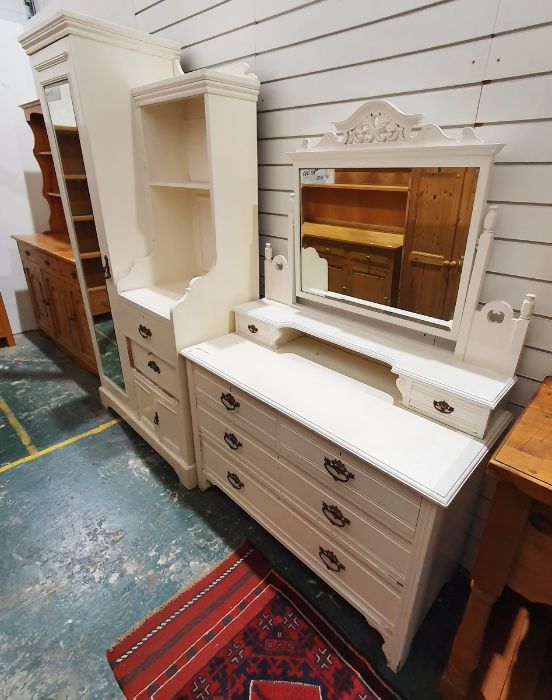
324, 18
224, 49
513, 14
522, 183
275, 177
522, 259
517, 99
523, 391
265, 9
539, 334
273, 202
371, 42
273, 225
161, 14
447, 107
524, 142
525, 222
456, 65
520, 53
513, 290
535, 364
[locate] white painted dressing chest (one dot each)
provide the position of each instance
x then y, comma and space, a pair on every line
351, 430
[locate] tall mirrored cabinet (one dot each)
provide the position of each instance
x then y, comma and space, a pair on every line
161, 222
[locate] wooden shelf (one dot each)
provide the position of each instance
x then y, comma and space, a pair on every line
66, 129
90, 255
376, 188
53, 194
349, 234
84, 217
96, 289
182, 185
44, 153
75, 177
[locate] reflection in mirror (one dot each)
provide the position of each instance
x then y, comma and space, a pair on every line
62, 115
392, 236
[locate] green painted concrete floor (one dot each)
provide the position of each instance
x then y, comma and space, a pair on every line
96, 534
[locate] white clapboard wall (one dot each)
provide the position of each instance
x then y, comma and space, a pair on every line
486, 63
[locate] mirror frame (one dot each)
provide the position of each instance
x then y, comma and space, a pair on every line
378, 135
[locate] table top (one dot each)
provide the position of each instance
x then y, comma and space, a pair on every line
55, 244
525, 456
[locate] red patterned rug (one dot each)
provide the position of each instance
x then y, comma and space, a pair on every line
242, 633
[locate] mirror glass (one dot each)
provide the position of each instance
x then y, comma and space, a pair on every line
64, 123
391, 236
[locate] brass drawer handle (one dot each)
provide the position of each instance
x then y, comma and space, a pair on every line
144, 331
443, 407
156, 418
229, 402
334, 515
235, 480
337, 470
541, 523
154, 366
252, 329
232, 441
330, 560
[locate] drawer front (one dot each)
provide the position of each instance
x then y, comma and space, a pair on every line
263, 333
348, 477
331, 513
373, 258
344, 521
99, 301
69, 272
154, 368
29, 254
49, 263
231, 440
159, 413
147, 329
348, 576
236, 406
449, 409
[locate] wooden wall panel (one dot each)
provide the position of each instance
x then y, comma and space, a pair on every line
459, 62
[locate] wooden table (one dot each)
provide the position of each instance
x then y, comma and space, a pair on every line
516, 547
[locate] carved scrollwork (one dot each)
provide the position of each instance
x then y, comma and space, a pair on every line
377, 121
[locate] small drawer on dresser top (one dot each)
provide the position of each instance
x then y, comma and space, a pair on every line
160, 413
148, 329
235, 405
153, 367
264, 333
449, 409
377, 599
349, 477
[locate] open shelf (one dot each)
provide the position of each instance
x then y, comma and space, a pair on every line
89, 256
157, 298
53, 194
44, 153
78, 176
66, 129
182, 185
350, 234
351, 186
95, 289
84, 217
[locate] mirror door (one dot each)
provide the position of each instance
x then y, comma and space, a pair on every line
95, 267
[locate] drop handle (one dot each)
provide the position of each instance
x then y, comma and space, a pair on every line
235, 480
337, 470
334, 515
229, 402
252, 328
443, 407
154, 366
330, 560
144, 331
156, 418
232, 441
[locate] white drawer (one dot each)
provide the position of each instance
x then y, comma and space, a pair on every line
344, 521
385, 552
264, 333
153, 367
378, 600
148, 329
448, 408
159, 413
349, 477
235, 405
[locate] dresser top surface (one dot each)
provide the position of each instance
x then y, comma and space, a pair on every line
526, 453
56, 245
359, 416
405, 355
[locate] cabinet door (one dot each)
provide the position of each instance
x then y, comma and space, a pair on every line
55, 288
39, 298
80, 329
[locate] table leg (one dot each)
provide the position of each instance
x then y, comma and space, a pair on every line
503, 530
